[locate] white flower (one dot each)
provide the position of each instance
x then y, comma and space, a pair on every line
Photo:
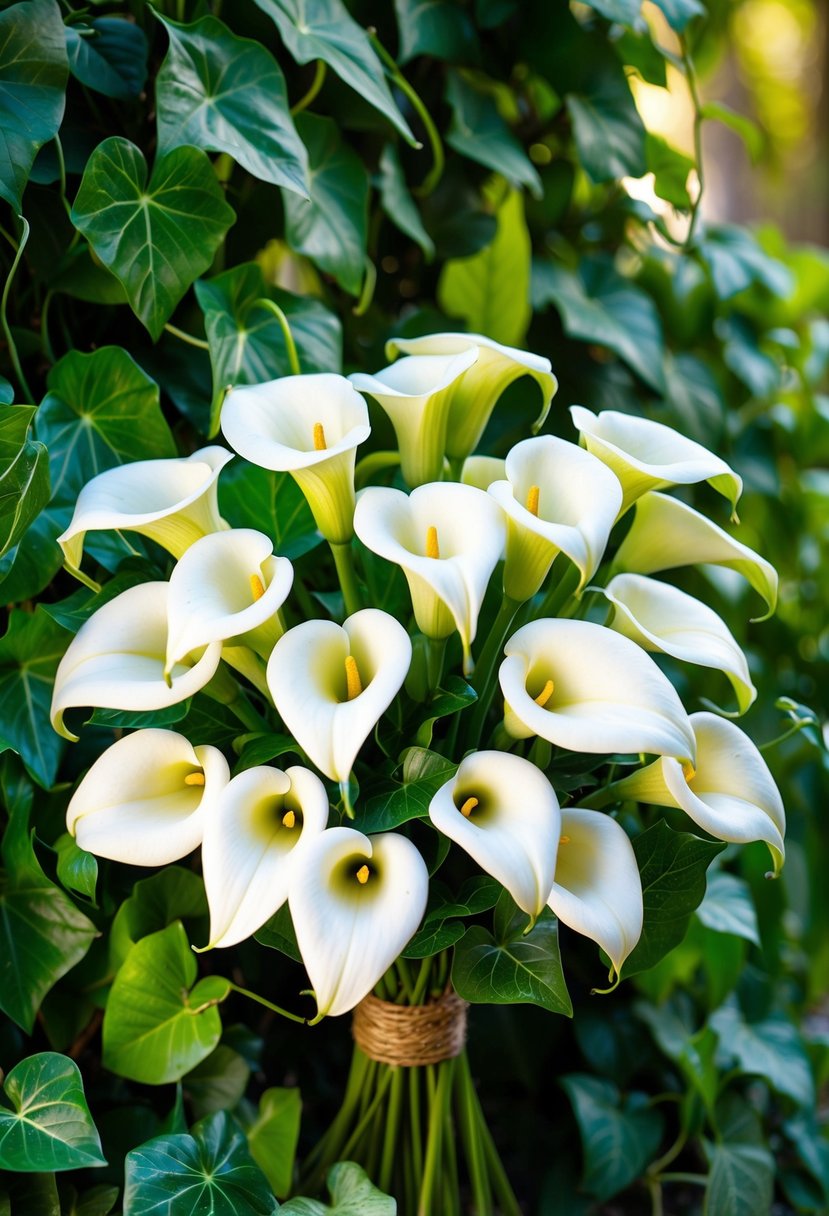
146, 799
355, 901
588, 689
503, 811
481, 471
331, 683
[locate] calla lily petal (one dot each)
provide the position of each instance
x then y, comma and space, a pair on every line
730, 791
467, 534
476, 394
503, 811
557, 499
588, 689
355, 902
174, 502
309, 426
117, 659
481, 471
664, 619
666, 533
329, 716
263, 820
597, 889
145, 801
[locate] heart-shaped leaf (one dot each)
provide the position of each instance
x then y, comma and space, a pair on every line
619, 1137
352, 1194
49, 1126
108, 55
24, 474
526, 971
29, 655
273, 1137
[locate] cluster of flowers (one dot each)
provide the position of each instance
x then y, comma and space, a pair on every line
356, 900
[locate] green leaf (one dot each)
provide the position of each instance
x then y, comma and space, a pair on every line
155, 1028
6, 392
771, 1048
172, 894
625, 12
424, 772
680, 12
227, 94
670, 169
278, 934
433, 938
77, 870
24, 474
619, 1137
672, 867
210, 1171
398, 203
527, 971
490, 291
324, 29
607, 128
273, 1137
600, 306
218, 1082
33, 71
438, 28
748, 131
479, 132
108, 55
331, 229
741, 1181
97, 1201
49, 1126
30, 652
251, 497
29, 1195
156, 237
735, 261
352, 1194
455, 696
728, 907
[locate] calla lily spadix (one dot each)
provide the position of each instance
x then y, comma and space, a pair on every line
331, 683
228, 585
597, 889
264, 818
729, 790
481, 471
117, 659
503, 811
174, 502
147, 798
475, 394
664, 619
557, 498
666, 533
355, 901
647, 455
586, 688
416, 394
309, 426
447, 538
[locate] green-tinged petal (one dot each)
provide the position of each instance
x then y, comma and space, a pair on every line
481, 471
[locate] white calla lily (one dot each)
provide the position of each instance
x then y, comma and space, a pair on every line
503, 811
648, 455
597, 889
331, 683
145, 801
586, 688
228, 585
476, 394
263, 820
663, 619
729, 790
309, 426
355, 901
416, 393
481, 471
557, 498
174, 502
117, 659
447, 538
667, 533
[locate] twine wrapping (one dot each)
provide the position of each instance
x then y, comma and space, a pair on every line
411, 1035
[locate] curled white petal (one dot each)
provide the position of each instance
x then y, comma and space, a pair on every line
481, 471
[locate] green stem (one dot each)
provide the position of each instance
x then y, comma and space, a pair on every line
367, 293
431, 1171
254, 996
473, 1147
435, 653
199, 343
560, 592
373, 463
406, 985
316, 84
422, 981
353, 1139
497, 1173
344, 561
13, 355
45, 340
392, 1128
436, 172
694, 1179
450, 1156
290, 345
691, 79
483, 678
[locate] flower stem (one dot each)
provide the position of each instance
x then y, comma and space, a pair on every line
316, 84
559, 593
435, 652
254, 996
4, 299
199, 343
290, 345
431, 1170
469, 1125
483, 678
344, 561
392, 1128
436, 172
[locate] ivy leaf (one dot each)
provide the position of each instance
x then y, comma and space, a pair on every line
33, 71
398, 203
30, 652
771, 1048
736, 261
625, 12
352, 1194
77, 870
670, 169
331, 229
250, 497
273, 1137
24, 474
437, 28
741, 1182
218, 1082
455, 696
728, 907
324, 29
424, 772
156, 237
172, 894
619, 1137
680, 12
6, 392
607, 128
479, 132
433, 938
49, 1126
108, 55
227, 94
526, 971
740, 124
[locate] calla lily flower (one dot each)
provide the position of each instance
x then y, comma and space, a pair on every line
666, 533
355, 901
447, 538
416, 393
597, 889
117, 659
664, 619
729, 790
263, 820
331, 683
476, 394
503, 811
145, 801
228, 585
586, 688
557, 498
174, 502
647, 455
309, 426
481, 471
